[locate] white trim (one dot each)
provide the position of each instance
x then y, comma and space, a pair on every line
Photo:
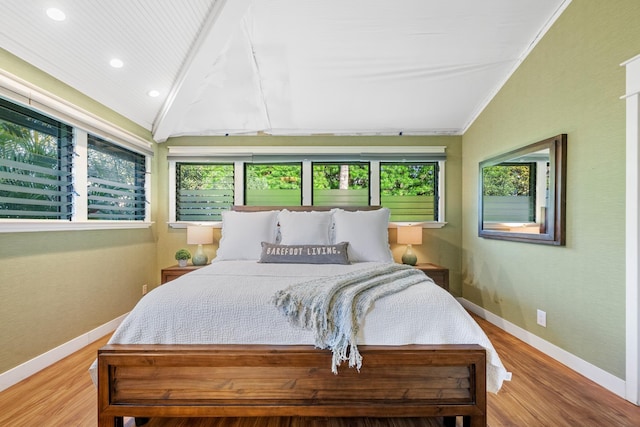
219, 151
629, 61
31, 96
632, 231
218, 224
374, 182
307, 184
238, 183
171, 165
80, 177
441, 194
38, 363
148, 197
630, 94
592, 372
25, 225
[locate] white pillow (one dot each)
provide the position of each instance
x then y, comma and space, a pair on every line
304, 228
244, 232
367, 233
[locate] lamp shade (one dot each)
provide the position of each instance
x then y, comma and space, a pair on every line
199, 235
411, 235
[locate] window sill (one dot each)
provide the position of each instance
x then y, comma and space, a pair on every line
23, 226
218, 224
178, 224
428, 224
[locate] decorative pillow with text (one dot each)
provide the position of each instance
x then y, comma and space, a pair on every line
304, 254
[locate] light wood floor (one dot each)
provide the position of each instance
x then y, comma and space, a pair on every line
542, 393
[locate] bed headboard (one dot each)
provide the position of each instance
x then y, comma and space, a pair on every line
242, 208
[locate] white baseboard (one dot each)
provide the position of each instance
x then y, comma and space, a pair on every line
595, 374
38, 363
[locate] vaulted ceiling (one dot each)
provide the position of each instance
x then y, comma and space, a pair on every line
282, 66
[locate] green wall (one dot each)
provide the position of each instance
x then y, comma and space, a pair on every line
571, 83
56, 286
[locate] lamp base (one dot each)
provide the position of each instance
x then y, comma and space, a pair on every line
199, 258
409, 257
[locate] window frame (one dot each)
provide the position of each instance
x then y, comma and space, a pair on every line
29, 96
439, 186
347, 163
307, 156
175, 206
136, 193
292, 163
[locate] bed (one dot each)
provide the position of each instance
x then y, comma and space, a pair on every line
215, 342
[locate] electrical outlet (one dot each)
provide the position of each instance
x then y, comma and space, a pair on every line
144, 289
542, 318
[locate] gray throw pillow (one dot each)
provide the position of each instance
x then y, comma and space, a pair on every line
304, 254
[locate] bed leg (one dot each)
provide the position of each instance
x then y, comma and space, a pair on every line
141, 421
109, 421
477, 421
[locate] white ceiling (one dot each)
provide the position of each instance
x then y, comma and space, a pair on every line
283, 66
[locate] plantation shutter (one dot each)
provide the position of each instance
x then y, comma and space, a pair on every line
35, 165
116, 182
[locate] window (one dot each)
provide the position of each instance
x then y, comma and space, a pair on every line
116, 178
204, 191
35, 165
408, 180
276, 184
56, 176
336, 184
410, 191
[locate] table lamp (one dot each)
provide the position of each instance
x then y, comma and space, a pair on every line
199, 235
410, 235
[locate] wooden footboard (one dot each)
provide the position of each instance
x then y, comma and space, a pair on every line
258, 380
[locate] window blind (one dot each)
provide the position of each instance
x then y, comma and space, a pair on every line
341, 184
203, 191
116, 182
273, 184
410, 191
35, 165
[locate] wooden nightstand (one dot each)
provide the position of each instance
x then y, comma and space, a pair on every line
439, 274
176, 271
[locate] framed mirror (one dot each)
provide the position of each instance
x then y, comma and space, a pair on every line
521, 194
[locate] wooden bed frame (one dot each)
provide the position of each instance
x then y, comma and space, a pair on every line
203, 380
256, 380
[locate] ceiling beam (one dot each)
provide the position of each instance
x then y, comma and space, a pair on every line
223, 19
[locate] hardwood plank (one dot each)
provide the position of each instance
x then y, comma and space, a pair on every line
543, 392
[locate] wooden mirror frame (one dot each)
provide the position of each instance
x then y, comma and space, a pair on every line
554, 232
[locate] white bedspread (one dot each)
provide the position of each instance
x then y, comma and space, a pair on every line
231, 302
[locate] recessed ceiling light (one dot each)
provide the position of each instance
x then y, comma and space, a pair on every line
56, 14
116, 63
153, 93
